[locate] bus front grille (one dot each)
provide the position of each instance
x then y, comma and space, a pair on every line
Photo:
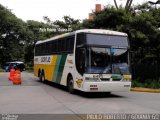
105, 79
116, 79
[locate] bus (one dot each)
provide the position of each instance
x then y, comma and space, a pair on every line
88, 60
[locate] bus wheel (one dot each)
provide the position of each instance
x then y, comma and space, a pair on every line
39, 76
43, 77
70, 85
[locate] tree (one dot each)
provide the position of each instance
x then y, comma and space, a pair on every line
127, 6
154, 3
39, 31
115, 2
17, 38
69, 24
142, 29
11, 35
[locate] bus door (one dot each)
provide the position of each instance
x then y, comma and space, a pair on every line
80, 65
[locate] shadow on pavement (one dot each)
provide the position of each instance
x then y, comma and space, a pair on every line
98, 95
84, 94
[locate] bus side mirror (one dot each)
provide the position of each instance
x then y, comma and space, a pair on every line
113, 50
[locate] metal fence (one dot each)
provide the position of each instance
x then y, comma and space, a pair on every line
146, 71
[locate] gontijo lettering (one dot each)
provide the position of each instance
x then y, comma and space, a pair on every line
45, 59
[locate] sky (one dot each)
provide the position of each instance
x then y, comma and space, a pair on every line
56, 9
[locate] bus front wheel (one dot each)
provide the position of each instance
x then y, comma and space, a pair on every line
70, 85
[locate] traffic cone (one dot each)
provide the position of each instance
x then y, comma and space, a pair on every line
17, 77
11, 77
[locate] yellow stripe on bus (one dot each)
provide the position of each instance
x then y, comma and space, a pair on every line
52, 70
48, 69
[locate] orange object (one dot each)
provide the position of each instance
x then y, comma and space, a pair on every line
17, 77
11, 77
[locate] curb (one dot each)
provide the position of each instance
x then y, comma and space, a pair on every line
145, 90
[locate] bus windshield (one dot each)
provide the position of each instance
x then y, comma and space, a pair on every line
101, 53
107, 60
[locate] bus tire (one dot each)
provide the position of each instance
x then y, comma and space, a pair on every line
43, 76
70, 85
39, 75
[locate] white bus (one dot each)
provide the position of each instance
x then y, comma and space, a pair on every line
89, 60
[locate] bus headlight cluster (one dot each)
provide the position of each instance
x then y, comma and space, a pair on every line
126, 78
91, 79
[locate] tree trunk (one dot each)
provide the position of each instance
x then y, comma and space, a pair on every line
115, 4
128, 4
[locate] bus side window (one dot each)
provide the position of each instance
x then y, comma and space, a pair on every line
63, 45
59, 45
71, 44
54, 46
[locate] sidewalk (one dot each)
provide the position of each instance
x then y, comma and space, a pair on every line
145, 90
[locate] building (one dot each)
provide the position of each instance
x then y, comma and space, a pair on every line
98, 7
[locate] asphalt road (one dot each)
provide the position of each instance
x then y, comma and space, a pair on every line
33, 97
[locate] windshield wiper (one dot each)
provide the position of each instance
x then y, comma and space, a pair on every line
106, 70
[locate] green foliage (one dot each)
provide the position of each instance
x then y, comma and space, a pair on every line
136, 83
30, 69
17, 38
154, 84
140, 24
10, 36
68, 24
127, 6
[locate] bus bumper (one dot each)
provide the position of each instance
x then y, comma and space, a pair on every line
106, 86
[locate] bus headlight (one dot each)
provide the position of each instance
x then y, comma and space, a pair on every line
126, 78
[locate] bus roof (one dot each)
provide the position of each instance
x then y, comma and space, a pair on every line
101, 31
97, 31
